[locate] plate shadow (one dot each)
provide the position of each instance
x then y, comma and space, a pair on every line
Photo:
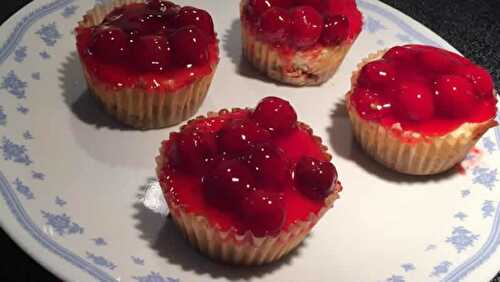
76, 95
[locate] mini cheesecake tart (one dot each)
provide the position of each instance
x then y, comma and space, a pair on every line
298, 42
420, 109
245, 188
150, 63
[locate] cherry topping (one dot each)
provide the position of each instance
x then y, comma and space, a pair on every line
336, 29
400, 54
479, 77
197, 148
258, 7
190, 46
238, 135
315, 178
136, 21
275, 114
436, 60
227, 184
192, 16
371, 105
269, 165
318, 5
455, 95
110, 44
427, 90
415, 101
377, 74
263, 213
275, 24
340, 5
152, 53
306, 25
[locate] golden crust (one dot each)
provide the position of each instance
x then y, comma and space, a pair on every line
227, 245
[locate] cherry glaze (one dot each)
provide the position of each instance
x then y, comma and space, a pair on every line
425, 89
150, 45
302, 24
252, 187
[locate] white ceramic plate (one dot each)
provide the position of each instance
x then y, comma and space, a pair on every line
71, 179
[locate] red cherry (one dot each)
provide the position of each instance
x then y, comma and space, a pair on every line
263, 213
190, 46
152, 53
377, 74
192, 16
238, 135
275, 114
336, 29
400, 54
136, 21
197, 149
371, 105
257, 7
336, 6
318, 5
415, 101
455, 95
436, 60
174, 157
227, 184
306, 25
453, 58
315, 178
479, 77
275, 24
270, 166
285, 4
110, 44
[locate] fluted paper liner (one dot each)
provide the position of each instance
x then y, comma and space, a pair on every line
138, 107
246, 249
309, 67
407, 151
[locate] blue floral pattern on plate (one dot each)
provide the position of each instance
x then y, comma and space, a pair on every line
14, 85
15, 152
49, 34
154, 277
62, 224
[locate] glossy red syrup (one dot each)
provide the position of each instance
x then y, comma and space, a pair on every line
425, 89
256, 185
302, 24
151, 45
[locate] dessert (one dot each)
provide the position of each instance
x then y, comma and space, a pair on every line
243, 188
420, 109
150, 63
298, 42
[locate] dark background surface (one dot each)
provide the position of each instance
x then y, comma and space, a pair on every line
472, 26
